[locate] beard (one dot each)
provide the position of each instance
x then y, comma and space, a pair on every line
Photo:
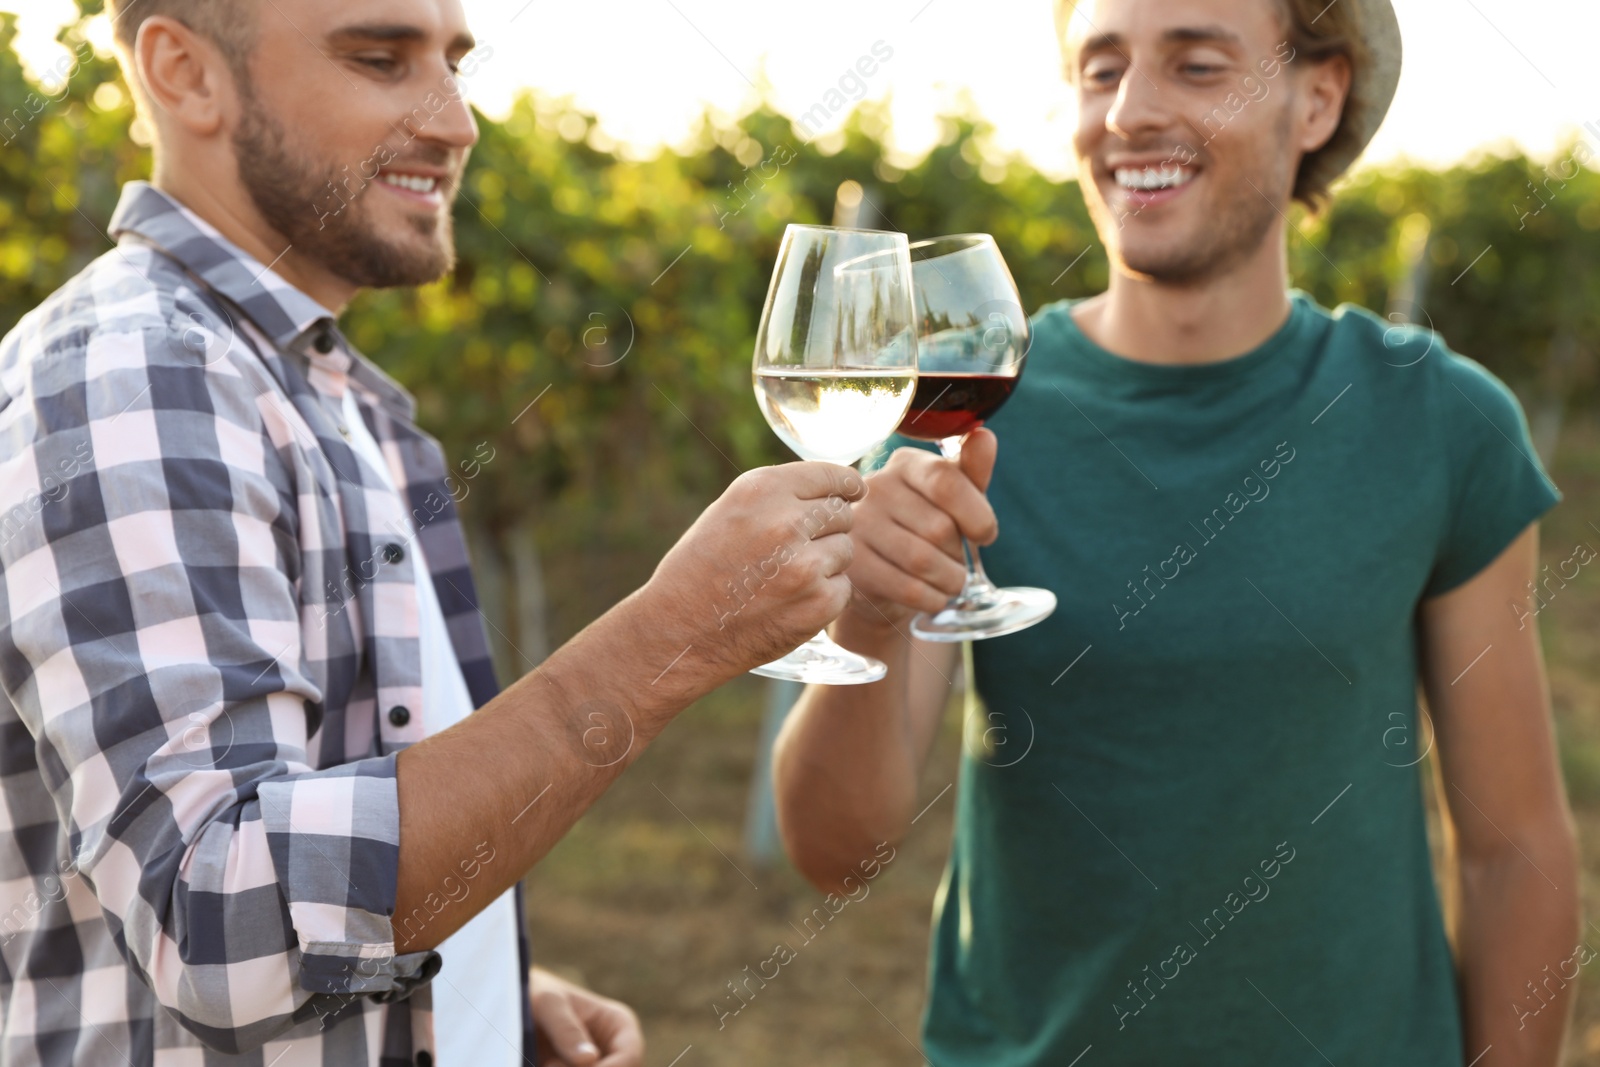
286, 190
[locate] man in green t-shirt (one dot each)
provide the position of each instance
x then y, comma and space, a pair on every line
1190, 828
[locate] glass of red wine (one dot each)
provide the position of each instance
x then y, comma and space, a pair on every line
972, 341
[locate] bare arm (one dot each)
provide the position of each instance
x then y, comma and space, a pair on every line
1518, 855
511, 779
847, 761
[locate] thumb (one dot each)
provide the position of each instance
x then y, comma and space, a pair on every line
567, 1033
978, 453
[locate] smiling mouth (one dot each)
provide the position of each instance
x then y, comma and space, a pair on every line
412, 183
1154, 179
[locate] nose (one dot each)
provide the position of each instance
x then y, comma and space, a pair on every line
1138, 108
454, 125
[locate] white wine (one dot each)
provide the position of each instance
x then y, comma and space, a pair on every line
834, 415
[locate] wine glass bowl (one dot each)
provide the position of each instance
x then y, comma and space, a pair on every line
834, 371
972, 343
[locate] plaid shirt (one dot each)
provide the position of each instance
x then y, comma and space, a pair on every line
209, 654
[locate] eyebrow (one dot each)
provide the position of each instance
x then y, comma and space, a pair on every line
396, 32
1202, 34
1102, 42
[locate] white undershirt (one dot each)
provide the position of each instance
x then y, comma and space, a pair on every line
477, 1014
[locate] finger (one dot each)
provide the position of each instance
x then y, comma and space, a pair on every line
834, 554
901, 505
814, 480
948, 488
879, 579
620, 1036
566, 1032
931, 563
829, 515
978, 454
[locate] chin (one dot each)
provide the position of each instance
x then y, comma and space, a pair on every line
1170, 262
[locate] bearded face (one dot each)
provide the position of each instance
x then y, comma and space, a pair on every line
394, 230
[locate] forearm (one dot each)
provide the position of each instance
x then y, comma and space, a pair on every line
847, 762
509, 781
1519, 935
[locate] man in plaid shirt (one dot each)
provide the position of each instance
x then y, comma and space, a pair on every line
242, 804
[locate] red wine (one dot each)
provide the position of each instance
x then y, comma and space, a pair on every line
949, 405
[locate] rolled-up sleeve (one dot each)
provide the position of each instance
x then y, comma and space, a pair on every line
154, 647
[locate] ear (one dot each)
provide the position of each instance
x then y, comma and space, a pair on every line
184, 75
1324, 88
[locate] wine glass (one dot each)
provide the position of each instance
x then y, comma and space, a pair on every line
835, 367
972, 340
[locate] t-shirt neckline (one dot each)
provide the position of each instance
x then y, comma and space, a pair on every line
1109, 363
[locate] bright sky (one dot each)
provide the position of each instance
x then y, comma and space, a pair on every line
1478, 72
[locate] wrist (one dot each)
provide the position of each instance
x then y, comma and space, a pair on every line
866, 628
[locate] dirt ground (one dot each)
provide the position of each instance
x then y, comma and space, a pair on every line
650, 898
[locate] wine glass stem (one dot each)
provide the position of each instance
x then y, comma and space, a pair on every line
978, 582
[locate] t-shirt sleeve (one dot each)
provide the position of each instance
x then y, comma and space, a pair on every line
1498, 485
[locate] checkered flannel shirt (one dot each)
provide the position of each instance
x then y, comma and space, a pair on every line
209, 653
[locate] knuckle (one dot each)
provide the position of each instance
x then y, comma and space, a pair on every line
941, 529
757, 481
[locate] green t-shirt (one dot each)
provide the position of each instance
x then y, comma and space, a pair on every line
1191, 829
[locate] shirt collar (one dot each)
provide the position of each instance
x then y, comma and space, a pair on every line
292, 320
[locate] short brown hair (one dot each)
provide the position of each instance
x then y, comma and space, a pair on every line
1318, 31
228, 24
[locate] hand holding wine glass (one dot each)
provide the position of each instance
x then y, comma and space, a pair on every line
972, 342
835, 367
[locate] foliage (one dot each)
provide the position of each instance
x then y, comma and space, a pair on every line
619, 298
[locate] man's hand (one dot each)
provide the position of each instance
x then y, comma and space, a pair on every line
908, 530
763, 568
578, 1028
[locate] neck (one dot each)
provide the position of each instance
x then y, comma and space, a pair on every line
237, 219
1215, 318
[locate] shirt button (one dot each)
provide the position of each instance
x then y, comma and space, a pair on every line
399, 715
323, 342
393, 552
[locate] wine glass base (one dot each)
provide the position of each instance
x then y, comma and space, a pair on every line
1005, 611
822, 661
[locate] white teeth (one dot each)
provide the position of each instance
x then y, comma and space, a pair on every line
415, 183
1167, 176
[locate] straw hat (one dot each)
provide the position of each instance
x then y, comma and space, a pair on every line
1373, 82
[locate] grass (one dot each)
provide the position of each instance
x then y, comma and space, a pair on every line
650, 899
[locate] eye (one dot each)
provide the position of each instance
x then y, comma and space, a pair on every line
1101, 73
379, 64
1200, 70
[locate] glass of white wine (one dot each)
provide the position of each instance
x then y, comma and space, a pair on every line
835, 367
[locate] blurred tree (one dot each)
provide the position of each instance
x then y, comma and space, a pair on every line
586, 366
